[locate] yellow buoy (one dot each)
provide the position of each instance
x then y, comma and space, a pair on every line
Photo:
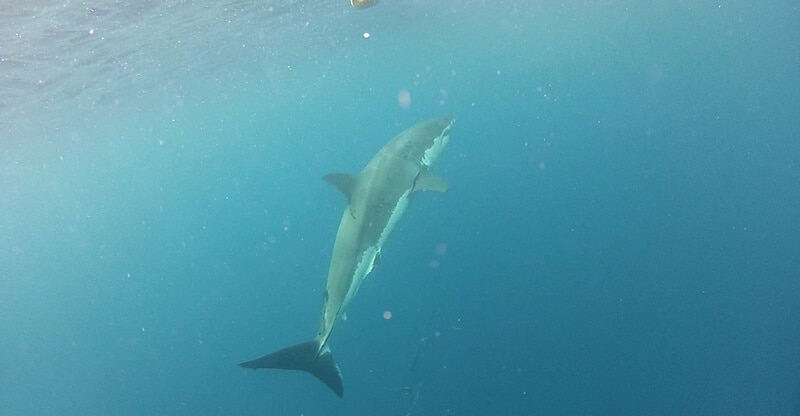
363, 4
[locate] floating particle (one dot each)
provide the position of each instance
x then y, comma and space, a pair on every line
404, 98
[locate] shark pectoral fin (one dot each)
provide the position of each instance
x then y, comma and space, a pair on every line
429, 181
306, 357
344, 182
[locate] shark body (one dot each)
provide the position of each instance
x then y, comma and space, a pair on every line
376, 199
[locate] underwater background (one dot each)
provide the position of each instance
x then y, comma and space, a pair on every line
621, 235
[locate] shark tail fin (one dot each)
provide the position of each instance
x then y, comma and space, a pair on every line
307, 357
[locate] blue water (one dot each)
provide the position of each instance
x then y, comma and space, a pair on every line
621, 236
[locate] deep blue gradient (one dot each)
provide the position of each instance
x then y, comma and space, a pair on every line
621, 236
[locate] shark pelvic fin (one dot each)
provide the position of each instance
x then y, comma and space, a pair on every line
344, 182
306, 357
429, 181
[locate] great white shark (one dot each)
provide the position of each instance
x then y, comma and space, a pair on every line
376, 199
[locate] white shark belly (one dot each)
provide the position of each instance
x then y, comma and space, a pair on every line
366, 260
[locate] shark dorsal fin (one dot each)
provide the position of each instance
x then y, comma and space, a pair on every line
429, 181
344, 182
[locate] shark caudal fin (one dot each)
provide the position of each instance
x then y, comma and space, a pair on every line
306, 357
